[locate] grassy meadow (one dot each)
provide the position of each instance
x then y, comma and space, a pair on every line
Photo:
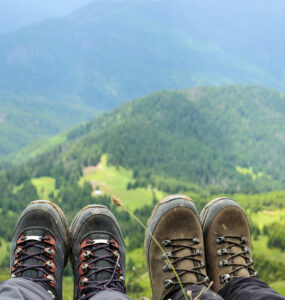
113, 181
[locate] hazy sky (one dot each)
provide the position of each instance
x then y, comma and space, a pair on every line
15, 14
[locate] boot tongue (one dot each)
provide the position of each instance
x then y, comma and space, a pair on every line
240, 260
102, 263
186, 264
34, 273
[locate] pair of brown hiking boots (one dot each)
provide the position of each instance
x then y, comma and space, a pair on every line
213, 247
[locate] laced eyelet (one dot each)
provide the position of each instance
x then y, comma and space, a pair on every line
18, 251
83, 268
243, 239
166, 243
224, 263
166, 268
167, 283
198, 252
83, 281
222, 252
166, 254
50, 240
220, 239
85, 255
114, 243
117, 253
49, 251
15, 263
51, 280
196, 241
50, 265
225, 278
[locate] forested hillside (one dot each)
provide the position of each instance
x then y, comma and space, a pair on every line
229, 138
26, 119
203, 142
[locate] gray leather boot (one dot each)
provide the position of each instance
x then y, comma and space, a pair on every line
98, 252
40, 246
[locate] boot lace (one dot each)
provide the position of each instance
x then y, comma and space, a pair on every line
45, 256
245, 253
90, 287
175, 246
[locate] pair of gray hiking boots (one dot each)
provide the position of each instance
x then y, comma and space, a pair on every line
43, 242
175, 239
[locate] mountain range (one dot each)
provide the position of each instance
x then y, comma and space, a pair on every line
109, 52
112, 51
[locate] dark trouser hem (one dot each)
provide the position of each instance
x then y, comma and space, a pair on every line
110, 295
249, 288
193, 291
22, 289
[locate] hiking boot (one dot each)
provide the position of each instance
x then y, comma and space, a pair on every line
40, 246
227, 242
98, 252
175, 225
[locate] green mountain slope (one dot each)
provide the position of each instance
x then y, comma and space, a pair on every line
25, 119
209, 136
229, 138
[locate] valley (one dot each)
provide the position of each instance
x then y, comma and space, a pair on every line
202, 142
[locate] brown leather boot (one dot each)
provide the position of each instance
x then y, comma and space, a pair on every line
227, 242
176, 226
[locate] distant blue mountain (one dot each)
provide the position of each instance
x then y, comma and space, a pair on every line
15, 14
112, 51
